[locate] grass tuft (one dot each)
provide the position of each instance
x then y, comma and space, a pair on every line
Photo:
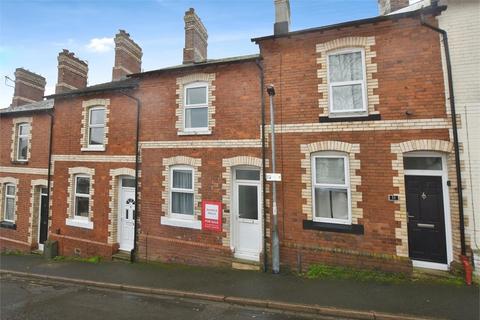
94, 259
344, 273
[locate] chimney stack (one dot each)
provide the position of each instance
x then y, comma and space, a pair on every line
282, 17
29, 87
72, 72
387, 6
195, 39
128, 56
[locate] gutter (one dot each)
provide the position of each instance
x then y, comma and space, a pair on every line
262, 84
409, 14
137, 165
454, 128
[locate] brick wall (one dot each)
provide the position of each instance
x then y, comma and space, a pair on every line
409, 78
234, 133
25, 235
69, 138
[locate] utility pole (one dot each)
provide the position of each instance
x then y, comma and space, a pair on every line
275, 241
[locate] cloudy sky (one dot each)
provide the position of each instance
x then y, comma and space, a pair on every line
33, 32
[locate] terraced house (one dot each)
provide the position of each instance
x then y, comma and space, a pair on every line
170, 164
24, 155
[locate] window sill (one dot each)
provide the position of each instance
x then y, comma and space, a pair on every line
8, 225
349, 118
195, 133
86, 224
183, 223
21, 162
333, 227
93, 149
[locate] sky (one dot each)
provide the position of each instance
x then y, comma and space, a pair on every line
32, 33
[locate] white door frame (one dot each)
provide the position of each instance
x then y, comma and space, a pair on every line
120, 200
233, 208
40, 245
446, 204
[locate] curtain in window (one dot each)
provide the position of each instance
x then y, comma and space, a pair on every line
182, 202
9, 208
330, 170
22, 147
196, 117
342, 68
182, 179
345, 67
347, 97
331, 203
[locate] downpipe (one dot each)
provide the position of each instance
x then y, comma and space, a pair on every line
134, 251
465, 260
275, 240
262, 97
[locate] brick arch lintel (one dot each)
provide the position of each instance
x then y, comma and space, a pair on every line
426, 145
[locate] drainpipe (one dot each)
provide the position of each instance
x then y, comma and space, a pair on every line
262, 97
137, 165
49, 174
454, 128
275, 240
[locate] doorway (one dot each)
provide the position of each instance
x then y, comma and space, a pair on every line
247, 213
42, 218
126, 214
428, 215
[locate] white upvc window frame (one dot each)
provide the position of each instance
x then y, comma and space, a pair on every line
22, 136
345, 186
197, 84
363, 82
7, 196
81, 195
99, 147
176, 215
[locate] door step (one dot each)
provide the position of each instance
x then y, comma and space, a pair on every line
420, 273
243, 264
121, 256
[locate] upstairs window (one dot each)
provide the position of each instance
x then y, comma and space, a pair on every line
23, 131
331, 188
82, 197
346, 81
9, 203
196, 107
96, 127
181, 192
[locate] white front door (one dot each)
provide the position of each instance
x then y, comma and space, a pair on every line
247, 215
126, 216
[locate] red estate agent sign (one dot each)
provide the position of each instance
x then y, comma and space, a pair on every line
212, 215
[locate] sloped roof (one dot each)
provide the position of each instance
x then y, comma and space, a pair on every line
31, 107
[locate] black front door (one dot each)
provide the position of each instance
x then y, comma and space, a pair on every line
426, 219
43, 216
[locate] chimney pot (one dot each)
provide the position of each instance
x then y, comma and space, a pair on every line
388, 6
196, 37
128, 56
72, 72
282, 17
29, 87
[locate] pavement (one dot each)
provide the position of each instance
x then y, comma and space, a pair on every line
22, 298
341, 298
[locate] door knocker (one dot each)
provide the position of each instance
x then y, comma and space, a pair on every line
424, 196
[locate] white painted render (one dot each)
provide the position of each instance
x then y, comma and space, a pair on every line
462, 22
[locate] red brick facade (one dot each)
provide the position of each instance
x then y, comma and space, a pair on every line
27, 177
405, 111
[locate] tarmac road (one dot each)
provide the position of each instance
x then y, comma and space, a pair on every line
22, 298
